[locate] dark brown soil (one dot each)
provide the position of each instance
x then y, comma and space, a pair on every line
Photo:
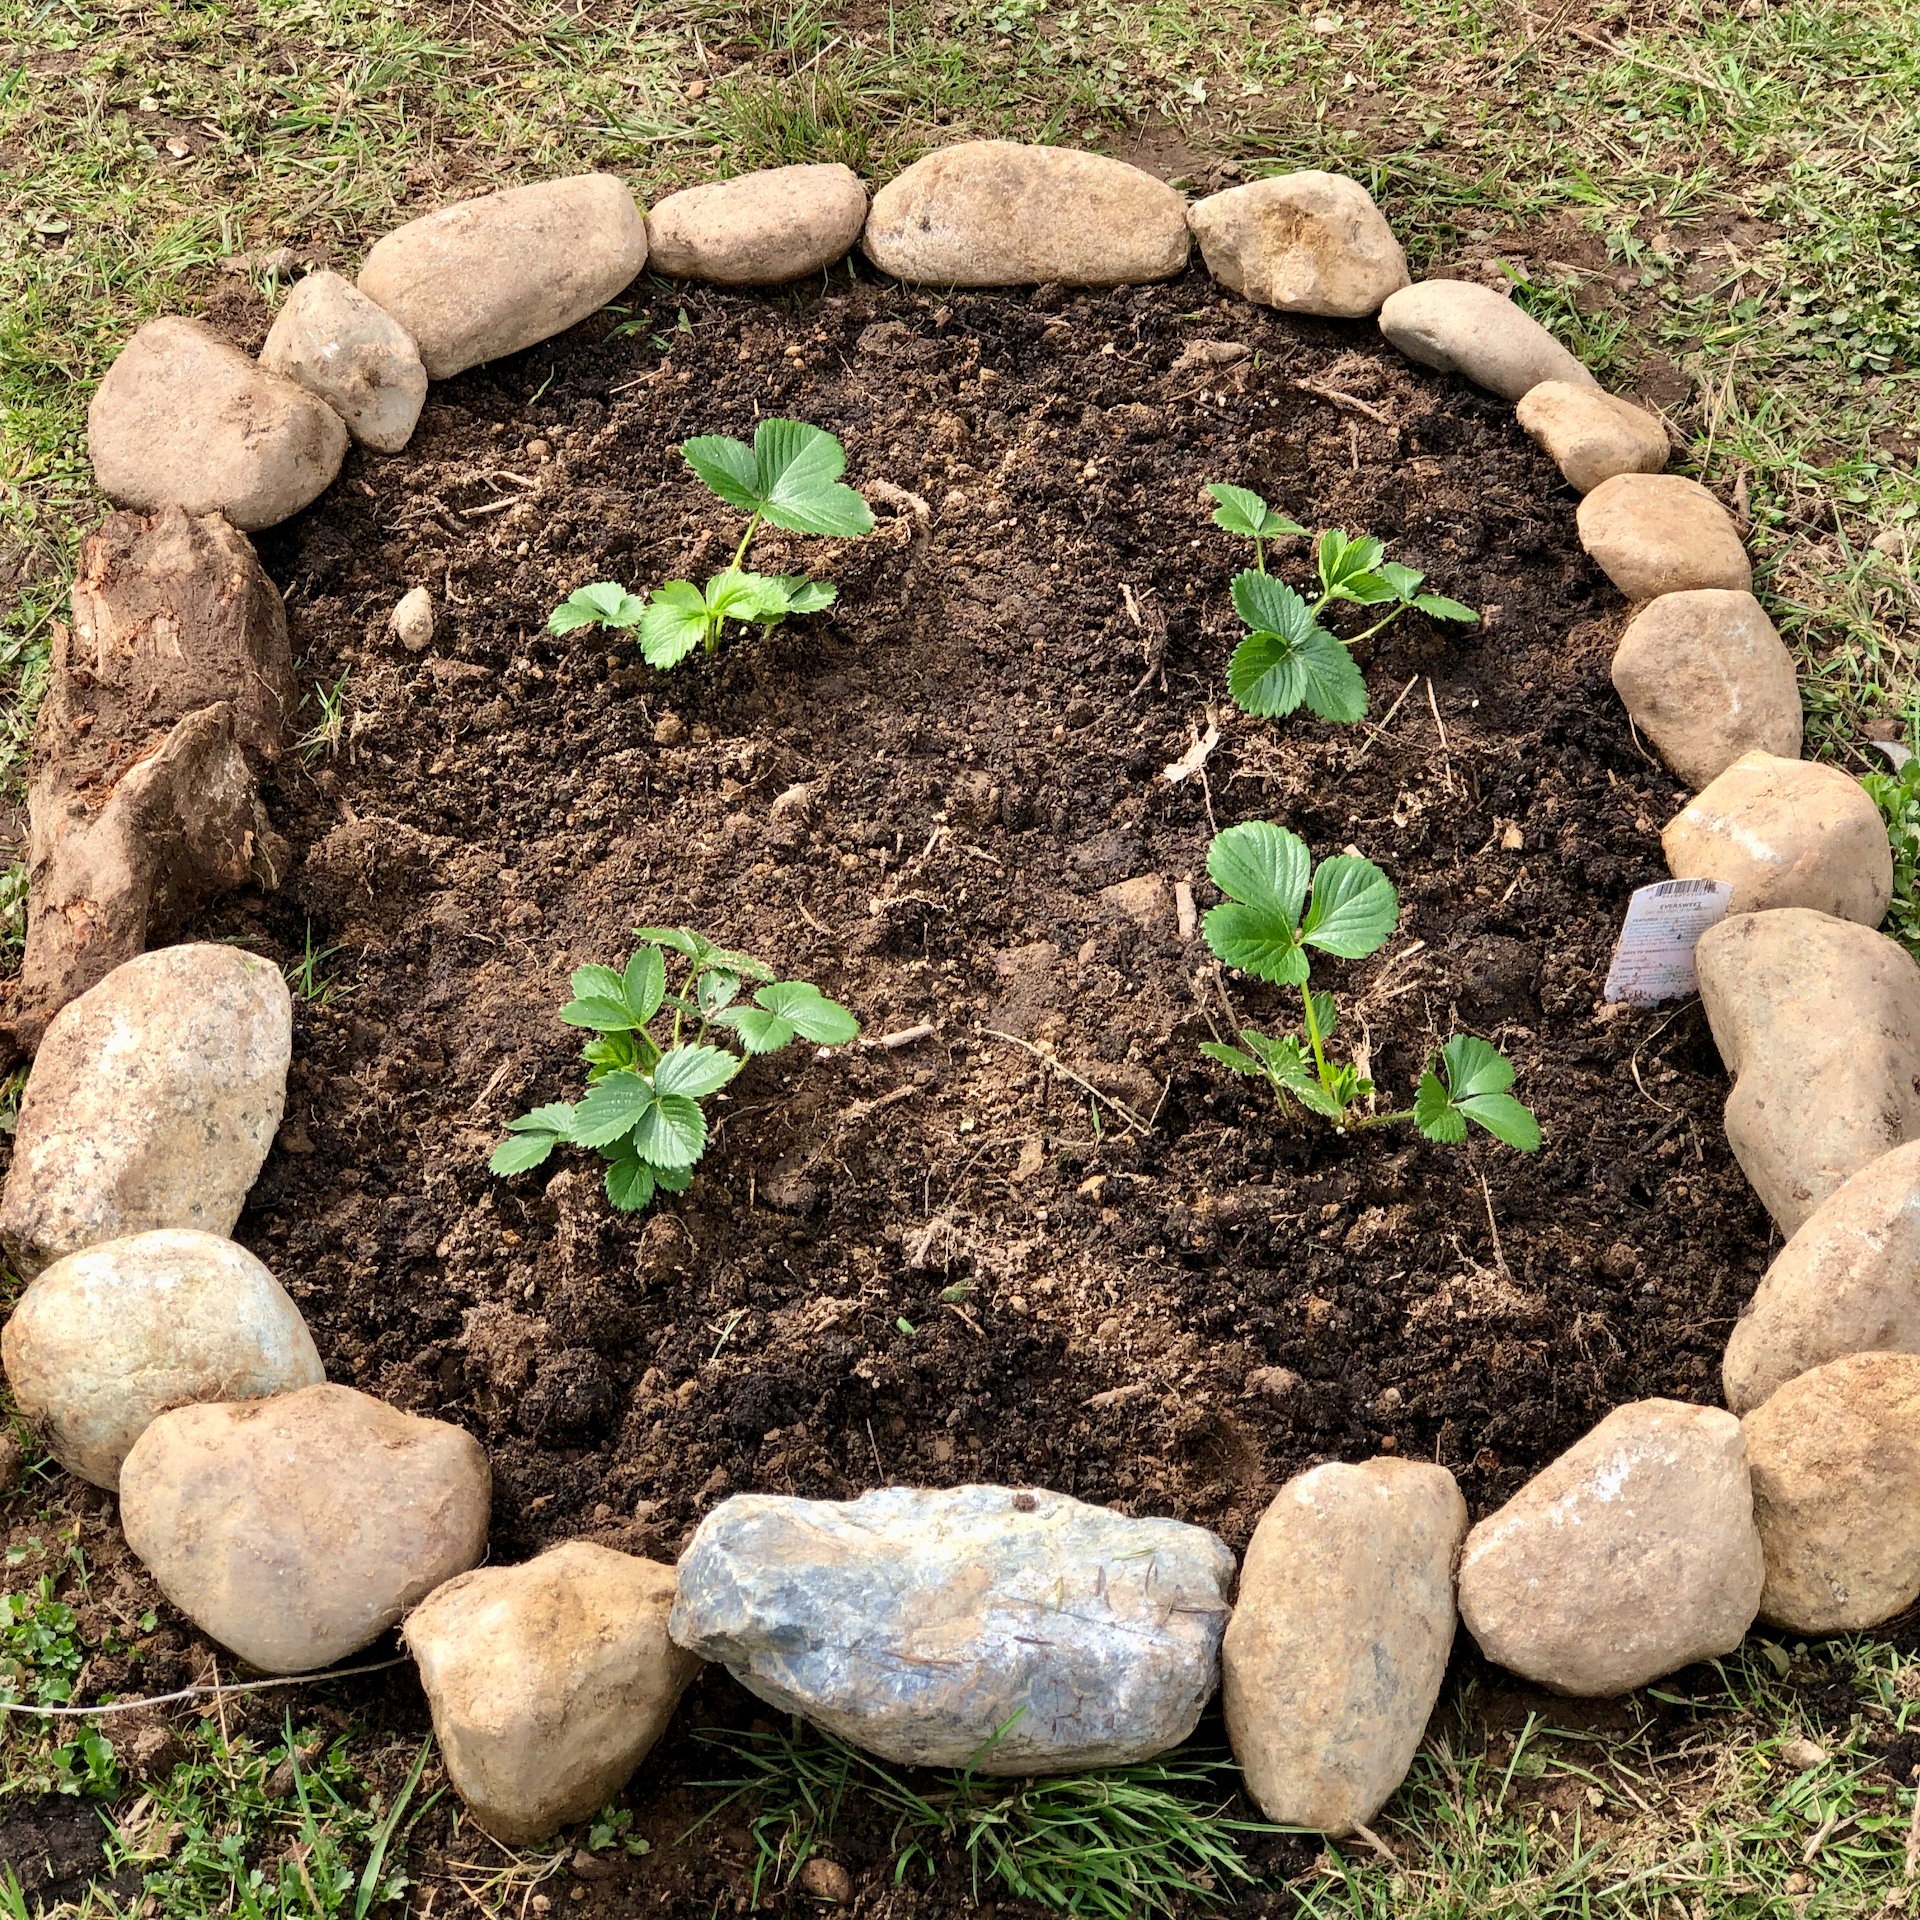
948, 1262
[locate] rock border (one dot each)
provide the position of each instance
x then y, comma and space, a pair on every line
1650, 1543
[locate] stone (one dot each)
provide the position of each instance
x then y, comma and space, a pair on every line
1338, 1643
1847, 1282
297, 1530
993, 213
759, 230
183, 418
1818, 1021
411, 621
549, 1682
1459, 326
107, 1339
334, 341
1144, 900
1655, 533
152, 1103
1305, 242
921, 1625
1590, 434
1632, 1554
1785, 833
484, 278
1836, 1490
1706, 677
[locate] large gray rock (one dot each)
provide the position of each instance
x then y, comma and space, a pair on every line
549, 1682
1339, 1640
1785, 833
1459, 326
1632, 1554
108, 1339
335, 342
1706, 677
1591, 434
184, 419
1847, 1282
759, 230
992, 213
1836, 1489
1655, 533
152, 1103
487, 277
296, 1530
1818, 1021
1303, 242
921, 1625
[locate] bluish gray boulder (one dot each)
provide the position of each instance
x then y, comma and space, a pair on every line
1017, 1632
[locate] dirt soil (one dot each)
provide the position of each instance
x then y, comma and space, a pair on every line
948, 1261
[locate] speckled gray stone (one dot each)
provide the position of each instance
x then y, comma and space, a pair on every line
921, 1624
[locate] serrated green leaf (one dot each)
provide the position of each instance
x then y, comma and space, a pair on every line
808, 596
1325, 1015
715, 989
596, 982
759, 1030
1401, 581
629, 1183
674, 623
612, 1107
1436, 606
1269, 676
598, 1013
1268, 605
1316, 1099
521, 1152
1345, 564
799, 479
673, 1179
556, 1118
1262, 865
729, 467
1257, 942
644, 984
695, 1071
672, 1132
1473, 1066
1474, 1088
1511, 1123
1353, 910
1232, 1056
604, 604
607, 1051
734, 595
809, 1012
682, 940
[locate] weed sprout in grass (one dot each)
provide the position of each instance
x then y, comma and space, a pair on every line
790, 478
1897, 795
1288, 659
1278, 905
642, 1112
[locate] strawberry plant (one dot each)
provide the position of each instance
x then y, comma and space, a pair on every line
642, 1112
1278, 905
1288, 658
790, 478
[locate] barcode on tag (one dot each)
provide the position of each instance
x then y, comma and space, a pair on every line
1653, 958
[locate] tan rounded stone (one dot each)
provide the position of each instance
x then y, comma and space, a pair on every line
1339, 1639
1459, 326
1818, 1021
335, 342
484, 278
1847, 1282
1706, 678
1785, 833
1303, 242
1836, 1489
184, 419
1631, 1555
761, 229
1590, 434
296, 1530
1655, 533
993, 213
549, 1682
108, 1339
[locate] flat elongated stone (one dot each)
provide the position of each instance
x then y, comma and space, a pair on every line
992, 213
152, 1103
1785, 833
185, 419
488, 277
1339, 1640
1847, 1282
1591, 434
1836, 1489
295, 1530
1459, 326
1706, 677
759, 230
1655, 533
1818, 1021
1303, 242
335, 342
1632, 1554
549, 1682
109, 1338
1019, 1632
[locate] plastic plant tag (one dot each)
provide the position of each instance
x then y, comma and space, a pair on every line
1653, 958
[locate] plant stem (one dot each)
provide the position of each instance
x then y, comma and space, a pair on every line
740, 552
1319, 1056
1378, 624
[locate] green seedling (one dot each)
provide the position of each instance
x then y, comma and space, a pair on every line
1897, 795
789, 477
1288, 659
1278, 905
642, 1112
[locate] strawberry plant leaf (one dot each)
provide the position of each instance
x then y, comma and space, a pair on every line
799, 469
683, 940
1402, 581
1240, 510
1257, 942
729, 467
1268, 605
714, 990
674, 623
672, 1132
808, 596
1270, 675
613, 1106
759, 1030
1347, 567
604, 604
1263, 866
1436, 606
695, 1071
1354, 907
809, 1012
629, 1183
521, 1152
1472, 1085
1232, 1056
644, 984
